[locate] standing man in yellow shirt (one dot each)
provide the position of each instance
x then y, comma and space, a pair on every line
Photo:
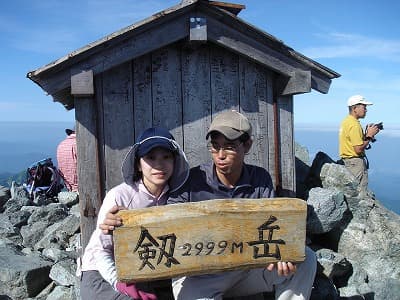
353, 141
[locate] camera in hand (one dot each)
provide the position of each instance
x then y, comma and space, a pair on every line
379, 125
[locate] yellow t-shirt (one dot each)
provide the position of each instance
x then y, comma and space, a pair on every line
350, 135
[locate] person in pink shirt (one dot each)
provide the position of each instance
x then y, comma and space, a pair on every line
67, 160
154, 166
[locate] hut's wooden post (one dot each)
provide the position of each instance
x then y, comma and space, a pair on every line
89, 183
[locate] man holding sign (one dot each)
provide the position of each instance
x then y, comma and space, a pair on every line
229, 177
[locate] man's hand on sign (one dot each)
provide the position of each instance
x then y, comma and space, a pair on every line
283, 268
112, 220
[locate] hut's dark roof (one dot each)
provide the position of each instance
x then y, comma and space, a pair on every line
224, 27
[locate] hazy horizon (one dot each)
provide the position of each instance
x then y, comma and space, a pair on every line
22, 143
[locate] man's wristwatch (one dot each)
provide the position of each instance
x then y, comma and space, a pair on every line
368, 138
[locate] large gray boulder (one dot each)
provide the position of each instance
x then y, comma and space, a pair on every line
313, 178
63, 272
337, 176
63, 293
40, 220
333, 265
371, 241
22, 276
68, 198
8, 230
326, 208
58, 234
302, 163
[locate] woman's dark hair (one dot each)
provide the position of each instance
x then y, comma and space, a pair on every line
137, 175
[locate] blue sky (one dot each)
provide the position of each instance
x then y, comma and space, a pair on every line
358, 39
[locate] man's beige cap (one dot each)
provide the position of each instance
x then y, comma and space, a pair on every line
231, 124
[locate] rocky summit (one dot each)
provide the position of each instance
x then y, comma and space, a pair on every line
39, 245
356, 240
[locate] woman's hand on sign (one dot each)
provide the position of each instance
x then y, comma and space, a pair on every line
111, 220
283, 268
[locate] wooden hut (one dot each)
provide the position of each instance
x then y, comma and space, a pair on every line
177, 69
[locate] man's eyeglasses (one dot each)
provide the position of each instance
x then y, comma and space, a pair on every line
228, 149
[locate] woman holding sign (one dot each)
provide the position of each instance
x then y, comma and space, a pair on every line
154, 167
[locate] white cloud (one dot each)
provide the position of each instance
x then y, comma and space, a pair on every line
354, 45
378, 83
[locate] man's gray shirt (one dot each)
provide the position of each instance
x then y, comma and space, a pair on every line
203, 184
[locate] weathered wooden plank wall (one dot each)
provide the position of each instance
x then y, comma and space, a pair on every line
97, 112
196, 102
286, 137
270, 127
117, 120
256, 104
181, 89
167, 90
224, 80
143, 106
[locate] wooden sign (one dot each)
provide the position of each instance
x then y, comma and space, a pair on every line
208, 237
82, 84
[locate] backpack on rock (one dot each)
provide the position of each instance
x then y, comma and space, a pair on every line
43, 177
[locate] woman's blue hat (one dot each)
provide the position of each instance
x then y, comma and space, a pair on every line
147, 141
153, 138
